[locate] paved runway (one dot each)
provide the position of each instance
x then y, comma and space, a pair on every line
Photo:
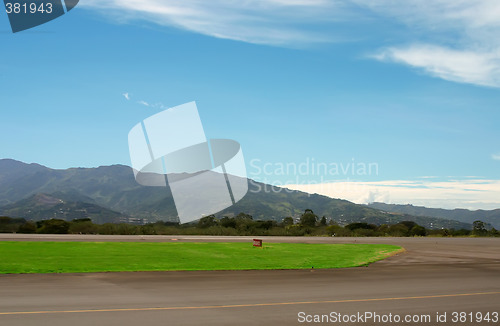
435, 275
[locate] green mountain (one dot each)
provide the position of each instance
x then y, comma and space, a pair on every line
33, 191
463, 215
275, 203
43, 206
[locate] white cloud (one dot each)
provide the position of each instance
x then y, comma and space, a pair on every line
456, 40
159, 106
496, 157
255, 21
144, 103
127, 96
470, 194
461, 38
466, 15
462, 66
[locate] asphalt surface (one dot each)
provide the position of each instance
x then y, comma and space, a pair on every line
434, 276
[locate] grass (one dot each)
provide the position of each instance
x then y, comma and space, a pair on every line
76, 257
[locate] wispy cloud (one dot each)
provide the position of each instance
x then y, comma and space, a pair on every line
145, 103
470, 194
460, 38
462, 66
255, 21
141, 102
496, 157
159, 106
456, 40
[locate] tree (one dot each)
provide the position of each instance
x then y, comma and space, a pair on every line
228, 222
418, 230
287, 221
244, 216
265, 224
28, 227
207, 221
478, 228
461, 233
383, 229
54, 226
9, 225
83, 226
494, 232
322, 222
81, 220
360, 225
398, 230
338, 231
308, 218
408, 224
10, 220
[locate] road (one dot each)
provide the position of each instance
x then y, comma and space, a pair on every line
434, 276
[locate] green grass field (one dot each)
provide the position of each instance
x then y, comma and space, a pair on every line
75, 257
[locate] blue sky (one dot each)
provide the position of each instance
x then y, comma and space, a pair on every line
412, 88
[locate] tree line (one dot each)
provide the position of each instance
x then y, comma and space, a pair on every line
309, 224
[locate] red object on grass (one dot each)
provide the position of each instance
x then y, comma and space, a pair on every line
257, 242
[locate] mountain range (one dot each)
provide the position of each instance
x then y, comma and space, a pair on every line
462, 215
111, 194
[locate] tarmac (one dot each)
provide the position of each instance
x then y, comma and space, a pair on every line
437, 281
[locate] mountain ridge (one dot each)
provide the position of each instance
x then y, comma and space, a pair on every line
42, 206
459, 214
114, 188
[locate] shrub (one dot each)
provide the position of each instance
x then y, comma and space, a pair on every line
398, 230
54, 226
228, 222
83, 226
207, 221
338, 231
364, 232
354, 226
28, 227
418, 230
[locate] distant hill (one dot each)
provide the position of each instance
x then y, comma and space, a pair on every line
278, 203
463, 215
43, 206
108, 192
